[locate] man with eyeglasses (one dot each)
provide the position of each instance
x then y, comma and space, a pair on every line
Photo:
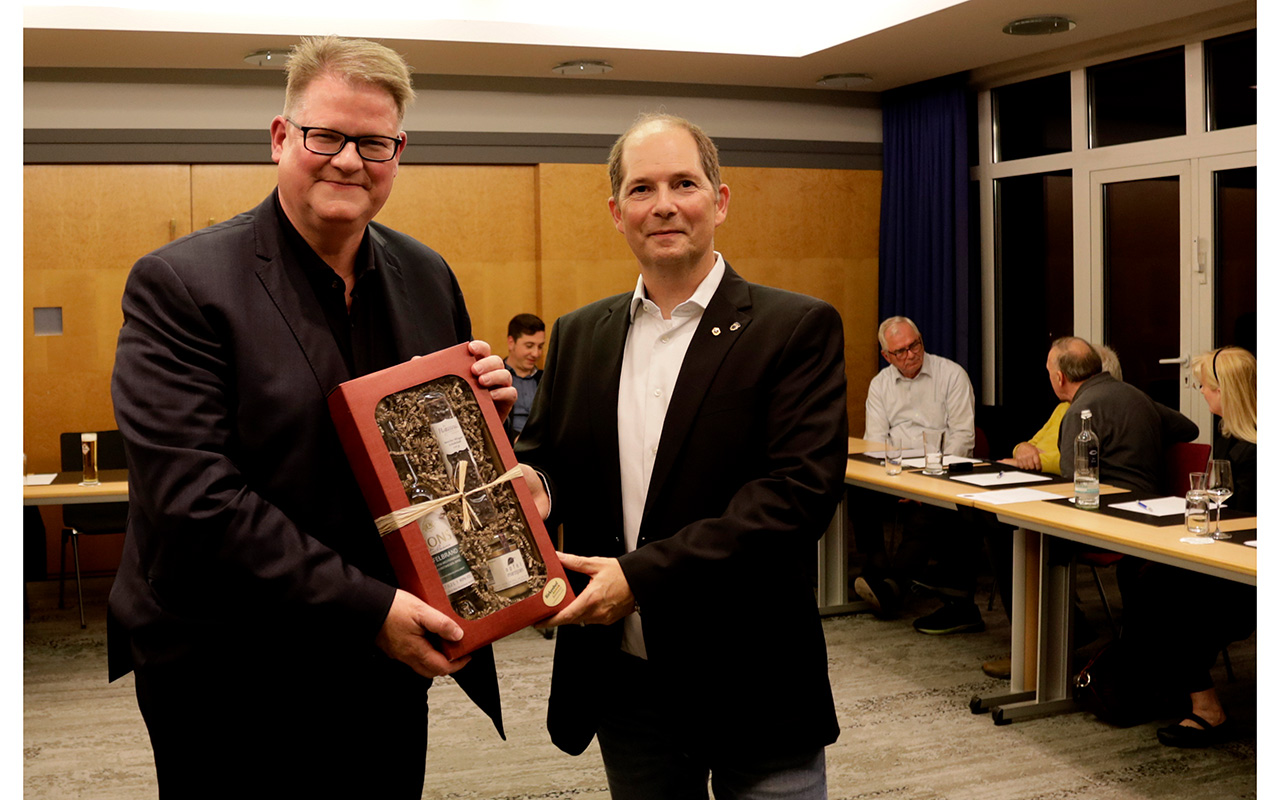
274, 655
919, 391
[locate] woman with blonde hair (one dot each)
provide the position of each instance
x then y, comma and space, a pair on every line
1228, 381
1183, 619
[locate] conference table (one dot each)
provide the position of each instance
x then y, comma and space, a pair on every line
65, 489
1042, 568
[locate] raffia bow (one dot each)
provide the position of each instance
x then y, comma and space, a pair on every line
403, 516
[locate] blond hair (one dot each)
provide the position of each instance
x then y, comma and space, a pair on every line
1234, 372
708, 155
351, 60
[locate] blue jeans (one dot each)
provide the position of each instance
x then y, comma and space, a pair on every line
643, 758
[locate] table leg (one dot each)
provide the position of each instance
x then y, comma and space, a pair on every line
833, 566
1041, 631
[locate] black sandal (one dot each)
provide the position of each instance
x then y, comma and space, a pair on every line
1179, 735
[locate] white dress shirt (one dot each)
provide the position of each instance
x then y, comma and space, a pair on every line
940, 396
651, 363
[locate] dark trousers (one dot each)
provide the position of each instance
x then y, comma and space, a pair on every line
646, 758
286, 729
1180, 620
939, 548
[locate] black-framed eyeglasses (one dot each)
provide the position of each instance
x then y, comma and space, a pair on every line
326, 142
902, 351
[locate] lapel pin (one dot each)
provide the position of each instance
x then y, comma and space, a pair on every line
734, 326
715, 331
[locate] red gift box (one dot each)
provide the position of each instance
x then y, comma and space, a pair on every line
392, 425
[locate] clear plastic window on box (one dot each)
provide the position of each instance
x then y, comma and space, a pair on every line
437, 439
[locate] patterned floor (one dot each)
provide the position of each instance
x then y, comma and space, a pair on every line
902, 698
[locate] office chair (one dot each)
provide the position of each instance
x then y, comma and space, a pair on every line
88, 519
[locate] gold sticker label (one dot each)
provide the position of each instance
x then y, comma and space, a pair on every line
554, 592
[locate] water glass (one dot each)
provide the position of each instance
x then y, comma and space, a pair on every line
933, 442
1197, 513
89, 451
893, 455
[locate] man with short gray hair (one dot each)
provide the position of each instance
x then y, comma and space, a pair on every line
916, 392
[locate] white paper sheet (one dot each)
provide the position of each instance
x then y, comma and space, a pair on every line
1156, 507
1009, 478
39, 478
1002, 497
919, 462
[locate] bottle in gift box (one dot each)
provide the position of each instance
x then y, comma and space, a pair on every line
456, 451
455, 573
508, 571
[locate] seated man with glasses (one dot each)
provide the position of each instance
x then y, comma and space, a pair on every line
916, 392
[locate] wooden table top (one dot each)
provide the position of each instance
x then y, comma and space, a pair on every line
66, 489
1162, 543
910, 483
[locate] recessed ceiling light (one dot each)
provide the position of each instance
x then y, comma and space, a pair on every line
583, 68
267, 58
844, 80
1039, 26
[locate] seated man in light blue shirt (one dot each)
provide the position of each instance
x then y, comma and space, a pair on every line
919, 391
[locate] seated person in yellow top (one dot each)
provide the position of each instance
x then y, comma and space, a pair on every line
1040, 452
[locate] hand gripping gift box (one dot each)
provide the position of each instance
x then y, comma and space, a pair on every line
456, 517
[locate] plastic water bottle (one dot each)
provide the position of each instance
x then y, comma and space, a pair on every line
1086, 463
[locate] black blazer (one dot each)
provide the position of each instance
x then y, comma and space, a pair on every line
248, 534
747, 476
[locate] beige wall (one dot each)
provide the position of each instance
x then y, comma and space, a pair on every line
133, 105
520, 238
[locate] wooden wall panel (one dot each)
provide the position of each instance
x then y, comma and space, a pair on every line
520, 238
584, 258
810, 231
220, 191
84, 226
483, 220
816, 232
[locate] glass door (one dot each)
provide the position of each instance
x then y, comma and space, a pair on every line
1174, 270
1141, 274
1227, 259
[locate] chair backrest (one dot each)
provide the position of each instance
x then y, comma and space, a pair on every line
110, 451
1180, 460
981, 449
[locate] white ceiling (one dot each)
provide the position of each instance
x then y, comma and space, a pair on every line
786, 45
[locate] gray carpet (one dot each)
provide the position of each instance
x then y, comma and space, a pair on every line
902, 698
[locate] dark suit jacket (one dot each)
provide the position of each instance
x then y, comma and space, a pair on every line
248, 537
747, 476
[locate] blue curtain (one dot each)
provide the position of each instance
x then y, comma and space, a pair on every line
924, 217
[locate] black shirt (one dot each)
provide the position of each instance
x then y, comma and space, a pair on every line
363, 332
